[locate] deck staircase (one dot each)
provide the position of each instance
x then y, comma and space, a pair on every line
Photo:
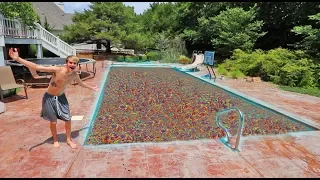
12, 28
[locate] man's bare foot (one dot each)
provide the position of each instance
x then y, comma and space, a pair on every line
56, 144
71, 144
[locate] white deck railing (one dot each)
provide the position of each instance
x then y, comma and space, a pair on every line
54, 43
15, 29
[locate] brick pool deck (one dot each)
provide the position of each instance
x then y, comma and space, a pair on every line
26, 148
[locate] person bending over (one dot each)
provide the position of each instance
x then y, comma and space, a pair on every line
54, 102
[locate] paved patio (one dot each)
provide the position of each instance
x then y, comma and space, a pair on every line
26, 148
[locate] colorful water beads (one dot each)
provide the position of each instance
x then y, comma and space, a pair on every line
161, 104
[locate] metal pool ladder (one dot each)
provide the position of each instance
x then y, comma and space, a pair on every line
240, 127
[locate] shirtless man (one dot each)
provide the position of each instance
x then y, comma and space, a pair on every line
54, 103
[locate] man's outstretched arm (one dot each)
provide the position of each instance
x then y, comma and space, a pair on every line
79, 81
13, 53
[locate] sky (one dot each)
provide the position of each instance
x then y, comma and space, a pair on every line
70, 7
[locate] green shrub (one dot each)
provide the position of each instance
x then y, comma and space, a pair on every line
221, 70
237, 74
274, 60
297, 73
228, 64
249, 64
153, 56
307, 80
120, 58
281, 66
130, 59
184, 60
143, 58
33, 50
316, 74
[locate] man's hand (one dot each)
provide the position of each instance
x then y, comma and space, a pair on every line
13, 53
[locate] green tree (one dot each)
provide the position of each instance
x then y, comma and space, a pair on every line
170, 48
188, 22
159, 18
112, 21
189, 14
279, 18
19, 10
138, 41
311, 36
233, 28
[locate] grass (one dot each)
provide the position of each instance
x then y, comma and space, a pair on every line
312, 92
221, 70
234, 74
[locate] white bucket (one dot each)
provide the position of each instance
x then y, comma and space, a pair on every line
2, 107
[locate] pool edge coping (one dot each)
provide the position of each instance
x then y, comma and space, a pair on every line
98, 98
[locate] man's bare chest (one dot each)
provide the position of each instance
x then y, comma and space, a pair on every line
61, 80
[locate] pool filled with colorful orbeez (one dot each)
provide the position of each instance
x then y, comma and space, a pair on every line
145, 104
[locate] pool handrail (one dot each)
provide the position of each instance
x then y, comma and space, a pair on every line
240, 127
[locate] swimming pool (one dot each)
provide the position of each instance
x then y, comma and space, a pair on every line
157, 104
